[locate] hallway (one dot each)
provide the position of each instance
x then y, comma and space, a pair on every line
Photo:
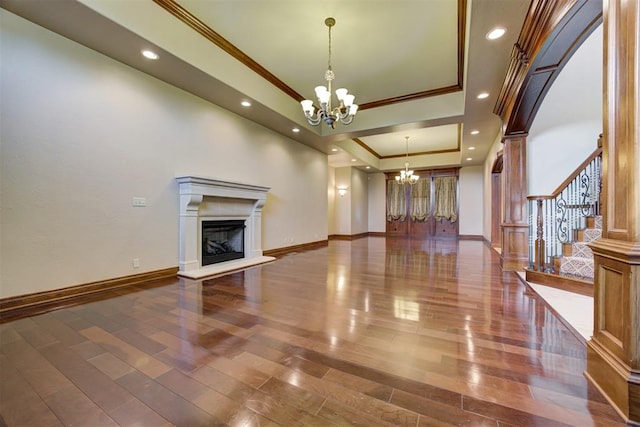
372, 331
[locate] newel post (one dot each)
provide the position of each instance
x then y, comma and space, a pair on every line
515, 224
613, 353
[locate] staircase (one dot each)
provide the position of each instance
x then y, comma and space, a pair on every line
577, 259
561, 225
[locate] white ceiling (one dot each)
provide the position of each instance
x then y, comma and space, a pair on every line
271, 51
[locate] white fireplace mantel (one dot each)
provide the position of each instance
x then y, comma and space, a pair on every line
203, 199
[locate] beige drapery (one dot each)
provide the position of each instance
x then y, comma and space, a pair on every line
396, 201
420, 200
446, 203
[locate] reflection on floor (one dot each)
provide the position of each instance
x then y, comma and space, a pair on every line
373, 332
575, 309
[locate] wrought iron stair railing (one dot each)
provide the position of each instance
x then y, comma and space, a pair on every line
555, 219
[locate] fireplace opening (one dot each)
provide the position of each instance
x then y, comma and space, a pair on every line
222, 241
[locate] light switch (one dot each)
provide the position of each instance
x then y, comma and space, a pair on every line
139, 202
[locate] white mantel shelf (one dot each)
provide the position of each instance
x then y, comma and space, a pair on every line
215, 187
204, 199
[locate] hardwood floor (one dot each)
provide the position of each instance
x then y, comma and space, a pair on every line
366, 332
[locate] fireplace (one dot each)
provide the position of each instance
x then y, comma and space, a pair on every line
206, 201
222, 241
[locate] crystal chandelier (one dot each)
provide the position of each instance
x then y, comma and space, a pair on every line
406, 176
344, 112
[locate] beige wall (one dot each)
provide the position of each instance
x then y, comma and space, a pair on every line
351, 210
82, 135
377, 203
343, 203
359, 202
471, 201
332, 193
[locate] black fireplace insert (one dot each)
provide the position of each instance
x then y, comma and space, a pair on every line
222, 241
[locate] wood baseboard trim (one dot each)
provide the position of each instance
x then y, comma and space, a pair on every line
377, 234
278, 252
613, 404
568, 284
610, 376
40, 302
487, 242
471, 237
347, 236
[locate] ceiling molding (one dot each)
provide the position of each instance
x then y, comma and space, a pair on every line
207, 32
366, 147
420, 153
192, 21
411, 97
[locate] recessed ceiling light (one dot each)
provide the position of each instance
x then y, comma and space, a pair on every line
245, 104
472, 148
469, 158
483, 95
335, 150
295, 130
475, 132
495, 33
354, 160
367, 167
149, 54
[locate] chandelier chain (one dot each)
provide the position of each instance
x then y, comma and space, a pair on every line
329, 60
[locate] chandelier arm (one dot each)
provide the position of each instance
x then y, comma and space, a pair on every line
346, 120
338, 112
314, 121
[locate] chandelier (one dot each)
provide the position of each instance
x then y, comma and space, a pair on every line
344, 112
406, 176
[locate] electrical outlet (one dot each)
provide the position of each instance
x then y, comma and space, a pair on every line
136, 263
139, 202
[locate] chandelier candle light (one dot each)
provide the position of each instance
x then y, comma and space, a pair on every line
406, 176
343, 113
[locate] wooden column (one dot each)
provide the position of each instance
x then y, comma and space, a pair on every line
613, 353
515, 227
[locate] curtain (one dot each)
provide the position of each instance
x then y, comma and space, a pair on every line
420, 198
446, 206
396, 201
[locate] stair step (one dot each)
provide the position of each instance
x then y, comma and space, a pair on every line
577, 267
589, 234
581, 250
594, 222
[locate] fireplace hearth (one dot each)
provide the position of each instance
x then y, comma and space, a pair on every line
222, 241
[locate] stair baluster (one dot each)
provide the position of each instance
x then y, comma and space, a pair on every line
555, 219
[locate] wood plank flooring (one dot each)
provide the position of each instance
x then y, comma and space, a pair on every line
370, 332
